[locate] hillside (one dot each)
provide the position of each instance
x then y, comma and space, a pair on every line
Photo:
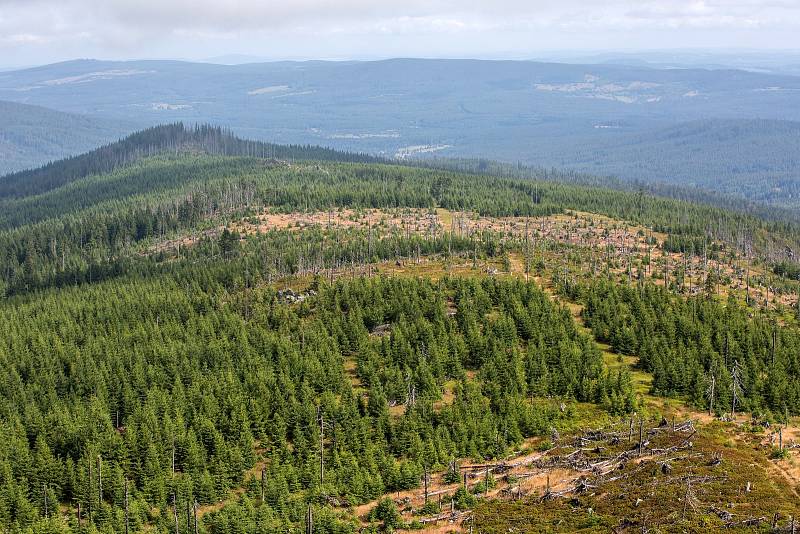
171, 138
215, 335
513, 111
31, 135
753, 159
204, 172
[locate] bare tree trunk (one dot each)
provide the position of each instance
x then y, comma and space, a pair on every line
711, 401
263, 483
99, 481
426, 483
321, 445
641, 432
309, 520
175, 512
686, 496
89, 492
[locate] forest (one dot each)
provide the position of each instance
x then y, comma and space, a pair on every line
33, 135
688, 344
69, 222
163, 368
152, 392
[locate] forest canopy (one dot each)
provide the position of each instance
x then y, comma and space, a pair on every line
164, 368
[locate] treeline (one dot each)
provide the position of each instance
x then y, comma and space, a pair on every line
270, 255
137, 398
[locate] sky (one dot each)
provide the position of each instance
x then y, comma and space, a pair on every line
35, 32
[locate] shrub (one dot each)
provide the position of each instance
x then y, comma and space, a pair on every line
386, 512
779, 454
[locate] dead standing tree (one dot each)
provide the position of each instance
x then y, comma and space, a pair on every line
736, 387
322, 426
309, 520
425, 481
712, 382
99, 481
175, 512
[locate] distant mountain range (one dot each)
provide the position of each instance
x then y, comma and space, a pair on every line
765, 61
725, 129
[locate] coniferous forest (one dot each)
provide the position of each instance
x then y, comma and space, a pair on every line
165, 369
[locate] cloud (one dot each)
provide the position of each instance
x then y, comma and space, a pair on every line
159, 27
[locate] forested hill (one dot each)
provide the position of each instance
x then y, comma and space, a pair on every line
754, 159
214, 336
569, 174
172, 137
33, 135
92, 214
214, 140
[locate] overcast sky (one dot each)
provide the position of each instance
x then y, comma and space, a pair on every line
44, 31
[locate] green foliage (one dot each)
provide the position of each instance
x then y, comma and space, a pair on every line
430, 508
158, 139
452, 476
777, 453
386, 512
141, 370
484, 485
88, 218
464, 500
787, 269
685, 343
183, 374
